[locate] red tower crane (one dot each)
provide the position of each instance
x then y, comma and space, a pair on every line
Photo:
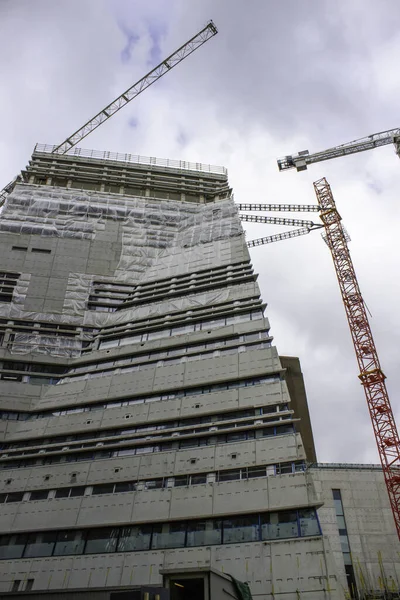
371, 375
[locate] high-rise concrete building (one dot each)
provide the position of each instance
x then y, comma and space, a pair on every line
147, 432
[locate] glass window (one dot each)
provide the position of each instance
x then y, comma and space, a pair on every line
280, 525
344, 542
299, 466
256, 314
181, 480
154, 484
196, 479
39, 495
190, 443
215, 323
12, 546
256, 472
204, 533
62, 493
239, 436
69, 542
134, 538
283, 468
308, 522
125, 486
230, 475
127, 452
3, 498
77, 491
336, 494
341, 523
146, 449
347, 558
101, 540
338, 507
241, 529
169, 535
281, 429
103, 488
40, 544
268, 432
15, 497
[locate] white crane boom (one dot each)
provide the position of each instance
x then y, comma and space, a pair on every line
164, 67
301, 160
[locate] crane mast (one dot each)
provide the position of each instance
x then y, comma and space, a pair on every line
301, 160
164, 67
371, 375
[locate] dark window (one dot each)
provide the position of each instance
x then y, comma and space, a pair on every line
12, 546
253, 472
308, 522
100, 541
62, 493
204, 533
239, 436
284, 468
125, 486
39, 495
190, 443
15, 497
103, 488
15, 585
241, 529
29, 585
196, 479
169, 535
40, 544
269, 409
154, 484
279, 525
268, 432
337, 501
181, 480
230, 475
69, 542
281, 429
134, 538
42, 250
77, 491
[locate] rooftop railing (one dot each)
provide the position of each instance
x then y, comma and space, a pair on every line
135, 159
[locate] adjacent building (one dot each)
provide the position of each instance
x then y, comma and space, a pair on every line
148, 433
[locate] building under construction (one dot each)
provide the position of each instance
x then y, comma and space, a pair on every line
153, 444
152, 440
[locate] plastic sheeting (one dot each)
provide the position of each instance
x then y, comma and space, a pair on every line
158, 237
25, 343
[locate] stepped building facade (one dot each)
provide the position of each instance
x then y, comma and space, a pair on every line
147, 434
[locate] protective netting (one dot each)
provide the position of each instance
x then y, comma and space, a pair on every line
157, 238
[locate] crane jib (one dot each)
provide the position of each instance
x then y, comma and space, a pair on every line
165, 66
302, 159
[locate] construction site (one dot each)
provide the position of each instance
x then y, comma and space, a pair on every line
154, 444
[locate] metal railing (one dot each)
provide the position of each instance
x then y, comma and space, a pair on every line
135, 159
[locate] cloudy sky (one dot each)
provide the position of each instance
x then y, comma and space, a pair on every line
278, 78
